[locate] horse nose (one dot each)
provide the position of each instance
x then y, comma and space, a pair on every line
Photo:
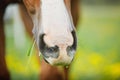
59, 53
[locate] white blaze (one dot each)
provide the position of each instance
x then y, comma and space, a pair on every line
56, 22
55, 17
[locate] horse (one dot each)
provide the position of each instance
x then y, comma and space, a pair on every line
51, 22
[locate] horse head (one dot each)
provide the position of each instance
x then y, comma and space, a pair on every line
53, 30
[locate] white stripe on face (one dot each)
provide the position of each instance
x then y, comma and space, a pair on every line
55, 16
56, 22
56, 25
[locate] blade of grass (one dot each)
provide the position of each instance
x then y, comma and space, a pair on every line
30, 50
29, 53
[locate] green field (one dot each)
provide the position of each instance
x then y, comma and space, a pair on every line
98, 54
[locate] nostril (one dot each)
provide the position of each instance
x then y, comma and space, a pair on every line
41, 43
74, 46
47, 51
53, 55
71, 49
52, 49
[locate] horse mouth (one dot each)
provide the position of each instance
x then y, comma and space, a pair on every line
59, 61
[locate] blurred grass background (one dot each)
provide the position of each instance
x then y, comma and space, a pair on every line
98, 54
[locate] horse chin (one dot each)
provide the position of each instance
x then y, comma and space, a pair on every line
59, 62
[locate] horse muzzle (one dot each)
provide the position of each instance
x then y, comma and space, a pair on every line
59, 54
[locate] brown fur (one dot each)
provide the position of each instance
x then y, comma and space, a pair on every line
4, 74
